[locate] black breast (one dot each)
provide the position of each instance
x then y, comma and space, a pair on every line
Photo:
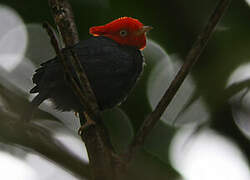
112, 71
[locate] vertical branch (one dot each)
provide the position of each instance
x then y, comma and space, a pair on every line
99, 148
64, 19
190, 60
74, 86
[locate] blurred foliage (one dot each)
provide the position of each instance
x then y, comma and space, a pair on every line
203, 98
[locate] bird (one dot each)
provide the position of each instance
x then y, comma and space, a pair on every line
112, 60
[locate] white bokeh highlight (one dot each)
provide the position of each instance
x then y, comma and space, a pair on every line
248, 2
47, 170
13, 38
74, 144
240, 74
67, 137
207, 156
240, 102
13, 168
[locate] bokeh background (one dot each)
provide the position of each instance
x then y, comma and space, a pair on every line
204, 134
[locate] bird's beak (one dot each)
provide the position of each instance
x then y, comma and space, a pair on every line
143, 30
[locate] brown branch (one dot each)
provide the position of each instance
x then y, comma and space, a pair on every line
64, 19
76, 89
100, 150
190, 60
84, 83
73, 83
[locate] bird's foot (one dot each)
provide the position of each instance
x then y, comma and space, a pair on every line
89, 122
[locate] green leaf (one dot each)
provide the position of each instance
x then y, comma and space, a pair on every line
119, 127
157, 144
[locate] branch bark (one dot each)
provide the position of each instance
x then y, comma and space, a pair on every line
99, 148
190, 60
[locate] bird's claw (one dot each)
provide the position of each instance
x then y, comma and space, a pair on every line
86, 125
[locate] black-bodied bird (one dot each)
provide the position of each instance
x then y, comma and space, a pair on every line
111, 58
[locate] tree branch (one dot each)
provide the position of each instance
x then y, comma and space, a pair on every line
100, 150
66, 66
190, 60
64, 19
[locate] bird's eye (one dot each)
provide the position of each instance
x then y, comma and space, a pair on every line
123, 33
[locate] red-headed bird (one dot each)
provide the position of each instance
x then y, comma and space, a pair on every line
112, 60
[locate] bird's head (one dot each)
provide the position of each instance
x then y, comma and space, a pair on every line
125, 31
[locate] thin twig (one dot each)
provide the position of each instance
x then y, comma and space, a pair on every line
190, 60
84, 83
59, 54
52, 36
99, 148
64, 20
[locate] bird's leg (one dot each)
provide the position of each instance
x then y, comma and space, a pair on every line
89, 122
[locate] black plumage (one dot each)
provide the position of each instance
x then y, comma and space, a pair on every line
112, 70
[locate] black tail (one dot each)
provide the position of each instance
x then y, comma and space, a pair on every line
27, 115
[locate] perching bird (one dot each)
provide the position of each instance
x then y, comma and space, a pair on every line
111, 58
